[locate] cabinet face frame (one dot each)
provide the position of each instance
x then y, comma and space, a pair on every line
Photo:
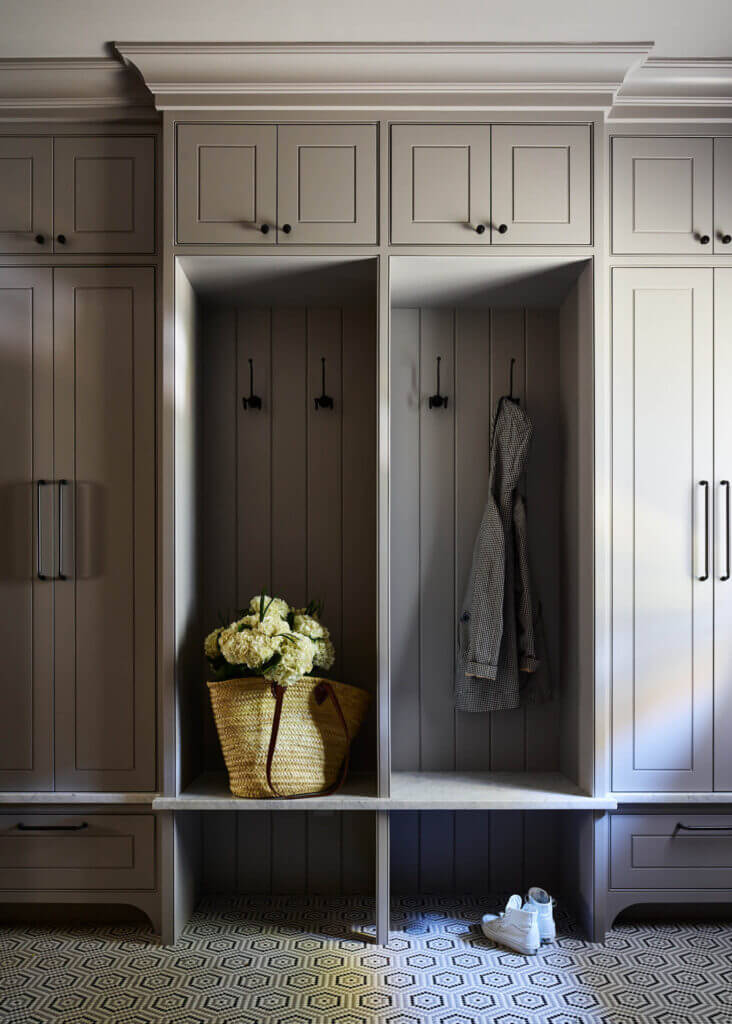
26, 162
353, 202
133, 160
723, 528
722, 195
669, 571
697, 153
570, 149
259, 143
469, 147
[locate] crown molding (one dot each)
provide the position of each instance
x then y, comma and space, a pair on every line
450, 76
72, 89
676, 89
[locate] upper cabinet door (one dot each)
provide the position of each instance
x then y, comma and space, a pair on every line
541, 185
441, 184
104, 448
663, 530
26, 199
104, 194
26, 538
227, 190
723, 196
662, 196
326, 188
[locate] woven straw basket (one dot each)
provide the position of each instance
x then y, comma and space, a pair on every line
286, 742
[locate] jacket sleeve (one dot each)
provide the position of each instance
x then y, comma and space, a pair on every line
527, 652
487, 580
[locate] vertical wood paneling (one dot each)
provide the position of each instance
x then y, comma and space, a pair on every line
507, 342
289, 851
324, 852
542, 503
253, 449
357, 851
437, 544
405, 836
357, 659
507, 850
437, 851
289, 455
542, 855
253, 852
472, 852
219, 851
473, 419
404, 520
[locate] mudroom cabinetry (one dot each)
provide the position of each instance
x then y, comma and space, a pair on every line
77, 593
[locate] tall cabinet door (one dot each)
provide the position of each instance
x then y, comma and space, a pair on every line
26, 537
663, 590
723, 505
104, 324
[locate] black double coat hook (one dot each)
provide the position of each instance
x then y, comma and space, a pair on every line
252, 401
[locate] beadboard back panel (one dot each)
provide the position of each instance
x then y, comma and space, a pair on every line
439, 483
290, 490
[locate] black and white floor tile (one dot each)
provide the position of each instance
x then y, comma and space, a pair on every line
302, 961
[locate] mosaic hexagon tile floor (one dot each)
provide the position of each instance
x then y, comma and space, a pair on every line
304, 961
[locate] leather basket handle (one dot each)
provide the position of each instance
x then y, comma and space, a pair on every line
321, 692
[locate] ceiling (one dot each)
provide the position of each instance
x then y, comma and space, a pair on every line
86, 28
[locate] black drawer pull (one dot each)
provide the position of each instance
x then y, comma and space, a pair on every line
51, 828
699, 828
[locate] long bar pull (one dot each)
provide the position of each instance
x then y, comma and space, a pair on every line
39, 534
725, 577
699, 828
61, 574
705, 485
51, 828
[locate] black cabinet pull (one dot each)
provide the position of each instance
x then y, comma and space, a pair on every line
726, 239
725, 577
61, 239
502, 229
40, 239
39, 555
704, 240
699, 828
705, 485
480, 229
264, 229
287, 228
51, 828
61, 574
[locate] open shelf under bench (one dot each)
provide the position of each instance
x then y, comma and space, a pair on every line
410, 791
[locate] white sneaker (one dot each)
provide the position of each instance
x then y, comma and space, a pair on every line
516, 928
540, 900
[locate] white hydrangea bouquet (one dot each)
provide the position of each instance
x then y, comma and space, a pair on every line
273, 640
268, 699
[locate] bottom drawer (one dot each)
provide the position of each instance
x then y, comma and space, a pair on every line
671, 851
77, 851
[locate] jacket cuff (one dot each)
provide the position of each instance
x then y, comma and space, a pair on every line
475, 668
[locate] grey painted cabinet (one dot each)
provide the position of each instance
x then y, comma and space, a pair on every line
672, 591
258, 184
77, 194
77, 563
26, 537
723, 196
26, 200
227, 183
662, 195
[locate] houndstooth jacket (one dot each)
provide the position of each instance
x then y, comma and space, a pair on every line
496, 638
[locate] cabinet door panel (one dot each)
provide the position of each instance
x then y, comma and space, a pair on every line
663, 612
105, 605
227, 178
26, 457
723, 196
662, 195
326, 188
104, 194
541, 184
25, 194
723, 508
440, 184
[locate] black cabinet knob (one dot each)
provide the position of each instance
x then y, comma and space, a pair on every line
264, 229
40, 239
61, 239
704, 240
480, 229
287, 228
726, 239
502, 229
